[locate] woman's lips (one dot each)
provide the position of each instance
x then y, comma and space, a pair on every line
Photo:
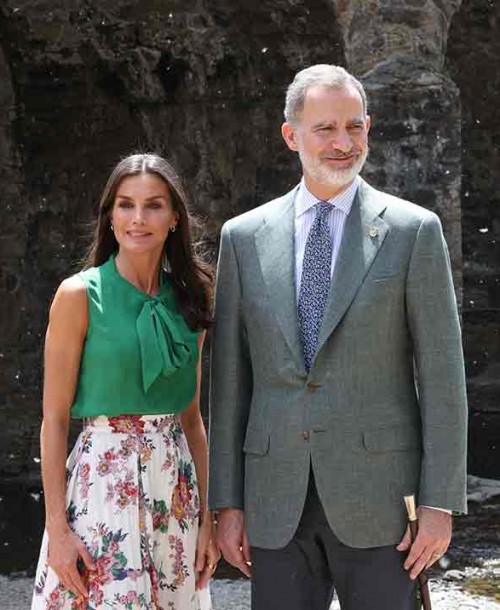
138, 234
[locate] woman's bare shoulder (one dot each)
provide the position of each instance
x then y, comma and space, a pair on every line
70, 298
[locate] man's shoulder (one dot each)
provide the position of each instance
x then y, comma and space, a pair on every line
396, 209
251, 221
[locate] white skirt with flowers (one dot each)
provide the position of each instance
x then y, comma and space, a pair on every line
132, 497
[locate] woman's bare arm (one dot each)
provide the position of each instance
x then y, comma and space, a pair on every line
207, 554
196, 436
64, 341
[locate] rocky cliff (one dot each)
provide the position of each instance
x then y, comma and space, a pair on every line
84, 82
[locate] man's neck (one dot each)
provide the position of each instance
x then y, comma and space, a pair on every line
324, 192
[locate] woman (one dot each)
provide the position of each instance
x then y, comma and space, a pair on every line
130, 528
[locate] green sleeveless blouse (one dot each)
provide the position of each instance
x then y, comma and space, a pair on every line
139, 357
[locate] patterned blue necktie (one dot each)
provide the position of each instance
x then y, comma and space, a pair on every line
315, 282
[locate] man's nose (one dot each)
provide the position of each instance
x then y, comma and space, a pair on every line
342, 141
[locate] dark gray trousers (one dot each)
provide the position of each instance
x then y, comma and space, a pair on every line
304, 574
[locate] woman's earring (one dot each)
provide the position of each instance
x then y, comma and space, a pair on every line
173, 228
111, 226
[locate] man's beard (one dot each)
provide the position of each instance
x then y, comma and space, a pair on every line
326, 176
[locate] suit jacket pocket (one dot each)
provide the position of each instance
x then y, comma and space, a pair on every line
256, 442
383, 279
392, 438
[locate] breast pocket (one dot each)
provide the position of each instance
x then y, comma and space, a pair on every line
380, 294
386, 279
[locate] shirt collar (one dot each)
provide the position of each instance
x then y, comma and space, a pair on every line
305, 200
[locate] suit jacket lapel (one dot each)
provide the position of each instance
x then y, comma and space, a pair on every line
275, 248
364, 233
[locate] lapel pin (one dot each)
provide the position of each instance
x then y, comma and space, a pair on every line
373, 232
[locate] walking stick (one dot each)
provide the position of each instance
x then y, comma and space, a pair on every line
423, 581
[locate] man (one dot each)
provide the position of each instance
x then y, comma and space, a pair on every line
337, 375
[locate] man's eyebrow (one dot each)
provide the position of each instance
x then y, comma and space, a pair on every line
323, 124
353, 121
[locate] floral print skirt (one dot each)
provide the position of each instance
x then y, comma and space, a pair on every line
132, 497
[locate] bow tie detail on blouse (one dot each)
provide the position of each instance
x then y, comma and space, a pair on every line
164, 347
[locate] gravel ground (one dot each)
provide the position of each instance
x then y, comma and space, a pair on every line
15, 594
234, 595
472, 563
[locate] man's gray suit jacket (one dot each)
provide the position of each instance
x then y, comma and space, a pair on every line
381, 414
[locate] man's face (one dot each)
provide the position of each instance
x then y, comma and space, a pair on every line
331, 138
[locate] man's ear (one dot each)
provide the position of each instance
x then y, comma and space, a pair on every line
289, 135
368, 123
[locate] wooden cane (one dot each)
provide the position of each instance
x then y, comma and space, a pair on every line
423, 581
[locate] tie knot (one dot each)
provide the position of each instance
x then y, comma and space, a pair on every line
322, 209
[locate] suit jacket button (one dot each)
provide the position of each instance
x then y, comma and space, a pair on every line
305, 435
312, 386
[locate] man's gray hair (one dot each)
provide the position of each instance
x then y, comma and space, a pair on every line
325, 75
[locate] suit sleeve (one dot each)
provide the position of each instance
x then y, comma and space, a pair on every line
436, 335
231, 384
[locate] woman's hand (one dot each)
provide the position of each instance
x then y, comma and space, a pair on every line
64, 551
207, 552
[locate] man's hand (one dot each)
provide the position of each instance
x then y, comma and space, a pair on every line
432, 541
232, 539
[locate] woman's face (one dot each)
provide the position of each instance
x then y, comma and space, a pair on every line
142, 213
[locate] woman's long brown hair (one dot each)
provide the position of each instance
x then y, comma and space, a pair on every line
192, 276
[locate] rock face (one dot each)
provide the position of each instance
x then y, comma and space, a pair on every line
472, 60
399, 54
202, 81
86, 83
416, 58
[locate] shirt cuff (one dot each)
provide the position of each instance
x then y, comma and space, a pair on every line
443, 510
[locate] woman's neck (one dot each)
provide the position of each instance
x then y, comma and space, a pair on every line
142, 270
